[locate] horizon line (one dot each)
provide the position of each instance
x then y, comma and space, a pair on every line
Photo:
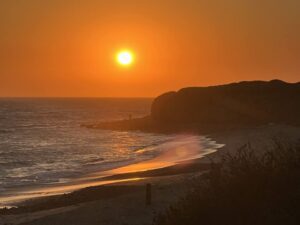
11, 97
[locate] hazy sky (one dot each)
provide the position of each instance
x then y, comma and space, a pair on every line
67, 47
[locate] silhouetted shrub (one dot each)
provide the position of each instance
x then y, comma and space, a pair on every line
246, 188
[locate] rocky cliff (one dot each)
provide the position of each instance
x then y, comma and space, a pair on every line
218, 108
253, 102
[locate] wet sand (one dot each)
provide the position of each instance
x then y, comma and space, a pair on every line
183, 151
186, 148
124, 203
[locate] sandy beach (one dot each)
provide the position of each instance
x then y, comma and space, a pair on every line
123, 202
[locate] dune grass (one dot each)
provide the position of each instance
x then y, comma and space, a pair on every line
245, 188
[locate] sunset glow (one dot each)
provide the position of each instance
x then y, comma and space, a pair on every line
113, 112
125, 58
59, 48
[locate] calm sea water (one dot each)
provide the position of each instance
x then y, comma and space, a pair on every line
42, 142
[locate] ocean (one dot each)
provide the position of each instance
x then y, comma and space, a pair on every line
42, 142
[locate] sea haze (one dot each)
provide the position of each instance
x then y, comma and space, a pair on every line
42, 142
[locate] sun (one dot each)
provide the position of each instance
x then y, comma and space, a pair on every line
125, 58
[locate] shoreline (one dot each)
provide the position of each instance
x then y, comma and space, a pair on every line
170, 184
174, 157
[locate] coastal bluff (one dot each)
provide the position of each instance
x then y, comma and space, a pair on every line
243, 104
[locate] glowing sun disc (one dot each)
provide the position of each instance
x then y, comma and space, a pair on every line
125, 58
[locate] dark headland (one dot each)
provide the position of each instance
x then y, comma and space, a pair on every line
218, 108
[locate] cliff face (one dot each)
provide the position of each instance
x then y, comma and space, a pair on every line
255, 102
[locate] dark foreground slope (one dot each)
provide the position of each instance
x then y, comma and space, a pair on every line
245, 189
218, 107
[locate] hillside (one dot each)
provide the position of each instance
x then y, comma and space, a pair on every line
253, 102
248, 103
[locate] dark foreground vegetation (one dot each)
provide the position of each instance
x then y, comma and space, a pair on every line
245, 188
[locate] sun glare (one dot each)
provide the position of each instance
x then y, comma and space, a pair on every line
125, 58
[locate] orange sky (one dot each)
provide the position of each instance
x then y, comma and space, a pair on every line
67, 48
